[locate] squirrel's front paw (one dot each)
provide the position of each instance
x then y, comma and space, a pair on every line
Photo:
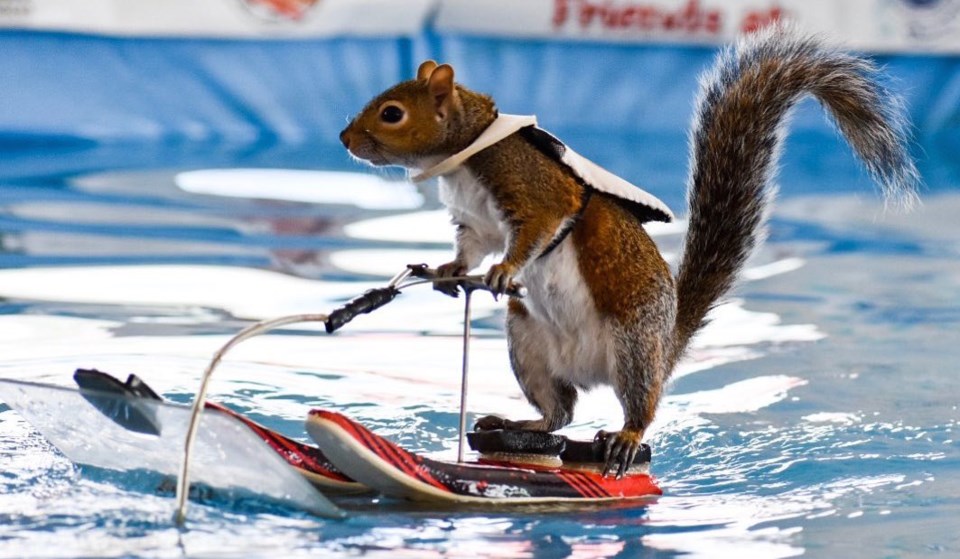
446, 271
499, 277
619, 450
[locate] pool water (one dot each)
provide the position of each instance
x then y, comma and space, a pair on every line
815, 416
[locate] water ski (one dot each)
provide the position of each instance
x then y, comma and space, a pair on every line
107, 427
512, 471
127, 404
513, 466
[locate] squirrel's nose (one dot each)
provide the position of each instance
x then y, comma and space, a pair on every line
345, 138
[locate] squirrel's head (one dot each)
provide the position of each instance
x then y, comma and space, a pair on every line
416, 119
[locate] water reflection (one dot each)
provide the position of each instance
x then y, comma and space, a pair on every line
362, 190
818, 404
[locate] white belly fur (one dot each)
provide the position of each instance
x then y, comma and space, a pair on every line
471, 204
577, 343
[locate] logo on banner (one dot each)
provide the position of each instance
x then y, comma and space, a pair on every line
15, 8
280, 10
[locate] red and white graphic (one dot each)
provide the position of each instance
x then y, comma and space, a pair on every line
280, 10
222, 18
677, 21
691, 18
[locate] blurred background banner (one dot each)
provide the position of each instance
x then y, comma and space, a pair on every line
874, 25
220, 75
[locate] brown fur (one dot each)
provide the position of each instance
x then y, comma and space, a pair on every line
612, 246
535, 203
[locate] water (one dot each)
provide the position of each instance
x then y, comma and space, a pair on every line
816, 416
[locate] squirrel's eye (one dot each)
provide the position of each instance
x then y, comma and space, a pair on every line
391, 114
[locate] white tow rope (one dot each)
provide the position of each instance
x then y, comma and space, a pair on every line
399, 282
200, 400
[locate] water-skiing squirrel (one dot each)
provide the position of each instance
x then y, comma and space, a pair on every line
602, 305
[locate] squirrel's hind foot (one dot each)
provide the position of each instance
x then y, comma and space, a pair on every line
619, 449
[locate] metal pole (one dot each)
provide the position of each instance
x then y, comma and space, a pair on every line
463, 378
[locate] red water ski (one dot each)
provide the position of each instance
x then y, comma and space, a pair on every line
381, 465
308, 460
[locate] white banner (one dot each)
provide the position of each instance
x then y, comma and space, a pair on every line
221, 18
875, 25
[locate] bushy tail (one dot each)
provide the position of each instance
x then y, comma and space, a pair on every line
735, 144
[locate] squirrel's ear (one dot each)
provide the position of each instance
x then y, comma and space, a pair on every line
441, 88
425, 69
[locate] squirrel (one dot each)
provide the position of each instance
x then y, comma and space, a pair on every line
602, 305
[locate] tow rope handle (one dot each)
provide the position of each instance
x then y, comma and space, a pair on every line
370, 301
373, 299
